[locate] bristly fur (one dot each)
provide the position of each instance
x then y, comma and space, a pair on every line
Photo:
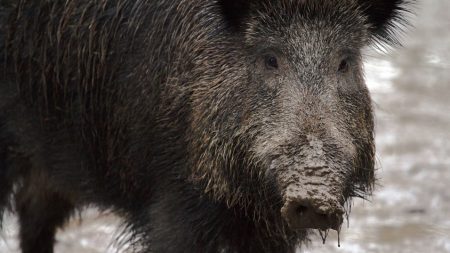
386, 18
161, 112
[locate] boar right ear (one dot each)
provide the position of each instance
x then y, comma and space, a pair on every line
384, 16
235, 11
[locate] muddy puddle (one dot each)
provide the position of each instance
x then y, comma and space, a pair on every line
410, 211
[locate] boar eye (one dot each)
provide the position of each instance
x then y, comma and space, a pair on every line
271, 62
344, 66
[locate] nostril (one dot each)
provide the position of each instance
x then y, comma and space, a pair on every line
301, 209
301, 214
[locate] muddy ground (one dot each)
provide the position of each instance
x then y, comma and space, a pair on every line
410, 211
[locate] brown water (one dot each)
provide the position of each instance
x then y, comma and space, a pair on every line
410, 211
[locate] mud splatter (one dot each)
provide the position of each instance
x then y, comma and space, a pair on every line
339, 237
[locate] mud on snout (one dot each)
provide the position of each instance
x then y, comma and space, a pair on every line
313, 179
311, 202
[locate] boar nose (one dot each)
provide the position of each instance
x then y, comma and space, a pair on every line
301, 213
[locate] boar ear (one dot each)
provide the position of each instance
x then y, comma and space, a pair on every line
385, 16
235, 11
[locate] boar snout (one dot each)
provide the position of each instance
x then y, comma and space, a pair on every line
313, 201
312, 177
303, 212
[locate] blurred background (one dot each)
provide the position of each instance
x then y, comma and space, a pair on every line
410, 210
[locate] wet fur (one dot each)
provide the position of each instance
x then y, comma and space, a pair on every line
103, 103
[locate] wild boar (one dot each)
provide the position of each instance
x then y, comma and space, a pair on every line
208, 125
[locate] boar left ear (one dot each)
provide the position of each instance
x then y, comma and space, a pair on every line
384, 16
234, 11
